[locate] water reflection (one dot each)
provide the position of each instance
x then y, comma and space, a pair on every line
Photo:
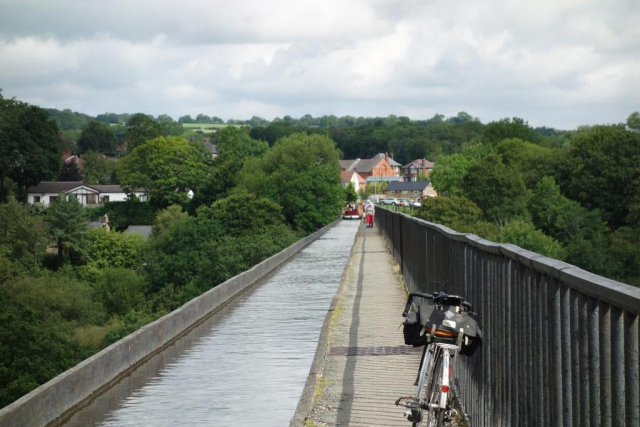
247, 364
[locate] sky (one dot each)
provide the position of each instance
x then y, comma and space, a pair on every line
557, 63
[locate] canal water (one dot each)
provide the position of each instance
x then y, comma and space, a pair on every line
244, 366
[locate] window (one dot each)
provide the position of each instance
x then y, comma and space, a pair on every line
413, 169
414, 178
92, 199
105, 199
392, 192
52, 199
36, 199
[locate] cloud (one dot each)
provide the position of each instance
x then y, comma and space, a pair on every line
557, 63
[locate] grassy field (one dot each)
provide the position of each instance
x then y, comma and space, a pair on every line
205, 127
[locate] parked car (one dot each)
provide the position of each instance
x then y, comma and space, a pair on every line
390, 201
416, 204
404, 202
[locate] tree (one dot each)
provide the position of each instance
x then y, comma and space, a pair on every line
448, 173
140, 129
234, 147
29, 146
302, 174
69, 172
509, 128
23, 237
497, 189
96, 169
601, 171
186, 119
166, 168
97, 137
164, 118
203, 118
242, 212
350, 194
531, 161
120, 290
523, 233
165, 218
456, 212
112, 249
67, 225
633, 121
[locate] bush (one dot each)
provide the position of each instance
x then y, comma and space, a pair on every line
120, 290
123, 214
112, 249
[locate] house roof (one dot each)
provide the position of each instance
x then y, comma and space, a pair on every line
390, 160
211, 147
420, 164
55, 187
407, 186
107, 188
383, 178
346, 164
345, 176
63, 187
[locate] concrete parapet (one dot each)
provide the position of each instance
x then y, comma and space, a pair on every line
53, 401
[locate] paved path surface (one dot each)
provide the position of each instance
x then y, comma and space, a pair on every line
357, 388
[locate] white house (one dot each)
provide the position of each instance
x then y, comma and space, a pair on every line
89, 195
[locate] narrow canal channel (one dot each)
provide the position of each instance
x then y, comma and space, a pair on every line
244, 366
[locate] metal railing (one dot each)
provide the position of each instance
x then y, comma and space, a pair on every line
560, 344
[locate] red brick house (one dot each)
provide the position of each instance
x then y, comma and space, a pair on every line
415, 168
376, 167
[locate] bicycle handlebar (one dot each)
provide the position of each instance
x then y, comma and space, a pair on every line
437, 296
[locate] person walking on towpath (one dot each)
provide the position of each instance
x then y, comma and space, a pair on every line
369, 210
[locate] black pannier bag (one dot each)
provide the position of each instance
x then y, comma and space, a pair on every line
411, 329
448, 322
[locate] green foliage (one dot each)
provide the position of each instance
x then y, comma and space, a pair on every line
166, 217
97, 169
112, 249
242, 212
456, 212
524, 234
69, 120
32, 348
302, 174
23, 236
140, 129
124, 214
497, 189
448, 173
633, 121
601, 172
350, 194
235, 148
531, 161
625, 250
230, 256
509, 129
132, 321
69, 172
120, 290
97, 137
166, 168
67, 225
29, 146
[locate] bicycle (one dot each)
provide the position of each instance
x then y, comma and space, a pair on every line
444, 326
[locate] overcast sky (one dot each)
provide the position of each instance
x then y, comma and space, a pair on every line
559, 63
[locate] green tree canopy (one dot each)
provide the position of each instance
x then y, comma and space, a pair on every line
166, 168
601, 171
497, 189
97, 169
508, 129
98, 137
350, 194
23, 236
140, 129
67, 225
69, 172
302, 174
243, 212
29, 146
112, 248
456, 212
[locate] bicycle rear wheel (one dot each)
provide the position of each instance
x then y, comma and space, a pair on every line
434, 414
